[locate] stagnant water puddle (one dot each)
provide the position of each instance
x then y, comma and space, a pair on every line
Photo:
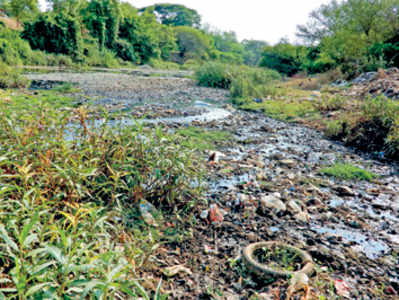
212, 113
371, 248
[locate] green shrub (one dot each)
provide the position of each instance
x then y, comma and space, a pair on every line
95, 57
163, 65
215, 75
13, 49
11, 78
68, 223
242, 81
59, 34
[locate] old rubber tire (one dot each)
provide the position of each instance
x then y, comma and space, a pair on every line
264, 271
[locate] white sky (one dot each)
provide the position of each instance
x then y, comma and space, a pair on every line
267, 20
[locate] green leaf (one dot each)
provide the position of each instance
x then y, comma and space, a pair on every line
37, 288
27, 228
141, 290
89, 286
7, 239
157, 295
57, 254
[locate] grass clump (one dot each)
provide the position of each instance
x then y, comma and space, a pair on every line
374, 127
348, 172
11, 78
202, 139
242, 81
282, 110
279, 258
68, 193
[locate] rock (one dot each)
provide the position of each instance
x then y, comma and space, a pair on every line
302, 216
344, 191
264, 296
290, 163
272, 202
294, 207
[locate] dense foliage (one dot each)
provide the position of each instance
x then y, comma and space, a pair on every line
58, 34
108, 33
242, 81
69, 225
175, 14
355, 35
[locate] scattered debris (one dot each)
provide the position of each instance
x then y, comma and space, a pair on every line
342, 288
173, 271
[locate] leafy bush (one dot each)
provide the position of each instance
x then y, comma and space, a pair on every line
59, 34
215, 75
241, 80
67, 201
163, 65
282, 63
13, 49
11, 78
95, 57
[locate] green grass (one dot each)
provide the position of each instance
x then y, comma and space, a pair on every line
202, 139
348, 172
286, 111
69, 223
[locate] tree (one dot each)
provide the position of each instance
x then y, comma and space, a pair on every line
69, 7
193, 43
20, 9
175, 15
228, 47
253, 51
102, 18
345, 31
58, 34
283, 57
140, 33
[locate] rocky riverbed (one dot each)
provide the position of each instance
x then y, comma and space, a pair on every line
267, 185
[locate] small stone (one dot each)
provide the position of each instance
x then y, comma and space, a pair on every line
252, 237
288, 163
344, 191
204, 214
272, 202
294, 207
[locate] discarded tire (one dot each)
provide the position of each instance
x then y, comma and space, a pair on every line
265, 271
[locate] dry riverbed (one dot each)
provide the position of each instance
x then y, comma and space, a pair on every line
268, 184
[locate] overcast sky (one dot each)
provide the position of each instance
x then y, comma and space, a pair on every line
267, 20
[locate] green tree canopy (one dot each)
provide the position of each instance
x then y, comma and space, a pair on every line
175, 14
20, 9
193, 43
102, 18
52, 33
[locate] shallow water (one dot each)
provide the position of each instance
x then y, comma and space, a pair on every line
371, 248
